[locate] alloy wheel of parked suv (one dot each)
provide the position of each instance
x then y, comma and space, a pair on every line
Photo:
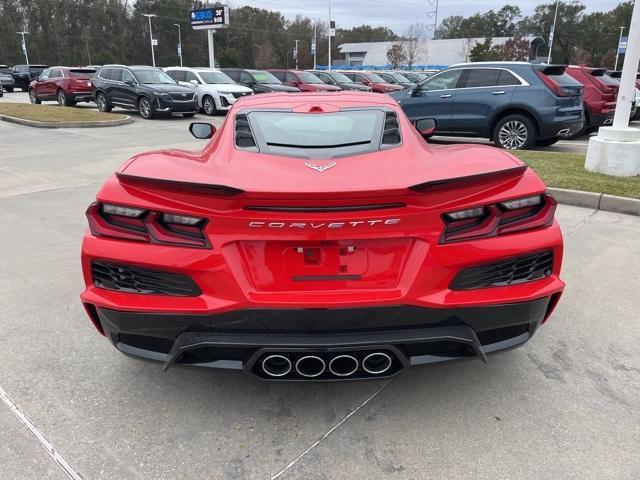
144, 107
209, 105
33, 97
62, 99
514, 132
101, 100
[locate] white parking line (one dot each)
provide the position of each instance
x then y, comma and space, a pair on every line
39, 436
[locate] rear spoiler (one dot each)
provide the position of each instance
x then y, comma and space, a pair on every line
550, 69
598, 72
458, 182
178, 186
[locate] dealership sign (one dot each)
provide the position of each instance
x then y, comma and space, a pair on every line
208, 18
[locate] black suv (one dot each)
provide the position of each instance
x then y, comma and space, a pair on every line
23, 75
515, 104
258, 80
146, 89
6, 79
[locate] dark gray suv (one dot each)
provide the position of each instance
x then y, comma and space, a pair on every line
515, 104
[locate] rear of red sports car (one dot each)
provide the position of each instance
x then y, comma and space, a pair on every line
319, 237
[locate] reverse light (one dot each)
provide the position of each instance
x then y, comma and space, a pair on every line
132, 223
508, 216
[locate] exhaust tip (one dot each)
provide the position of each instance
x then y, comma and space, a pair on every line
343, 365
376, 363
276, 365
564, 131
310, 366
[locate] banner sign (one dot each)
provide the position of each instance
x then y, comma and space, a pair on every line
622, 46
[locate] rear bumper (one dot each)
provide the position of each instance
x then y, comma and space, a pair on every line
240, 339
600, 120
559, 128
82, 96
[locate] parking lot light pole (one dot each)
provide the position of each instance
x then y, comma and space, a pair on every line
616, 149
179, 42
153, 57
553, 32
296, 54
24, 45
329, 35
618, 48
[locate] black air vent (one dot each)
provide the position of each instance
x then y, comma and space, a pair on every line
131, 279
316, 209
508, 272
244, 135
391, 134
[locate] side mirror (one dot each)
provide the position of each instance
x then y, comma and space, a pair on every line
426, 126
415, 90
194, 82
202, 130
131, 83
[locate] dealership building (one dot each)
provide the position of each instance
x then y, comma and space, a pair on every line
430, 54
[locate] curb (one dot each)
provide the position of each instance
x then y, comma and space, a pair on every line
95, 124
597, 201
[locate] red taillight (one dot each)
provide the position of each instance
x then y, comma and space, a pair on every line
131, 223
552, 84
505, 217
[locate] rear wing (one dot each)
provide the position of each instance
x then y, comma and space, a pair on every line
549, 69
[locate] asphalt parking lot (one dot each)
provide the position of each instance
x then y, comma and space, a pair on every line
565, 405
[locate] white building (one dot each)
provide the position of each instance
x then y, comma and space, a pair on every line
430, 54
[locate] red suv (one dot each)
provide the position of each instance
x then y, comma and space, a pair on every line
65, 85
373, 80
600, 92
305, 81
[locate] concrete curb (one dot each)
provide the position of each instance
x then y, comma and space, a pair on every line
597, 201
96, 124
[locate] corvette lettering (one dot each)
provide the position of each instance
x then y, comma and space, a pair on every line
318, 226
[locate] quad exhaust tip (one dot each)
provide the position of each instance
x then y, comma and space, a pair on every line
310, 366
343, 365
376, 363
276, 365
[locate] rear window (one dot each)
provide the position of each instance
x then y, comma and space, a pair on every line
312, 130
36, 69
82, 72
608, 80
5, 70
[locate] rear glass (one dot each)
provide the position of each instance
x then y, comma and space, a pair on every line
82, 72
313, 130
264, 77
36, 69
5, 70
607, 80
565, 80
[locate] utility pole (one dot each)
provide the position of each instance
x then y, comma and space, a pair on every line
24, 45
313, 43
330, 31
179, 42
153, 56
618, 48
433, 13
296, 54
552, 32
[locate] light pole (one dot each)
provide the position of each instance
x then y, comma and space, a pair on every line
296, 54
553, 31
329, 35
618, 48
153, 56
179, 42
24, 46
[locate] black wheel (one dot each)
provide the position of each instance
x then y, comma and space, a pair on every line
547, 142
101, 101
62, 99
209, 105
144, 107
10, 89
515, 132
188, 115
33, 97
24, 89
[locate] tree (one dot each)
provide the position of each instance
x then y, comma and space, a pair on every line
266, 55
516, 49
608, 59
396, 55
502, 23
415, 37
581, 56
484, 52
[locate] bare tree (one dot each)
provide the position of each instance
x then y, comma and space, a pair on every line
396, 55
414, 42
266, 56
466, 48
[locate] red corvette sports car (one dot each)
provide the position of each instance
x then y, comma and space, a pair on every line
319, 237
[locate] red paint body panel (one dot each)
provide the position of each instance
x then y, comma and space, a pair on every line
71, 86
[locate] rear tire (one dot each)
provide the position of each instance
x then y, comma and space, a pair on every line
10, 89
101, 101
547, 142
62, 99
515, 132
33, 97
145, 109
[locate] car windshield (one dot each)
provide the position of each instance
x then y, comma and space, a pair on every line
264, 77
82, 72
340, 78
327, 130
5, 70
374, 78
214, 77
307, 77
148, 77
400, 78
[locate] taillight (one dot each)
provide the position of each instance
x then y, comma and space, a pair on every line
552, 84
496, 219
132, 223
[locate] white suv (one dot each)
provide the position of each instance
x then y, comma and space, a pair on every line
216, 91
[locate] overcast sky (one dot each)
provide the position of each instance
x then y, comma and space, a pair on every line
395, 14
